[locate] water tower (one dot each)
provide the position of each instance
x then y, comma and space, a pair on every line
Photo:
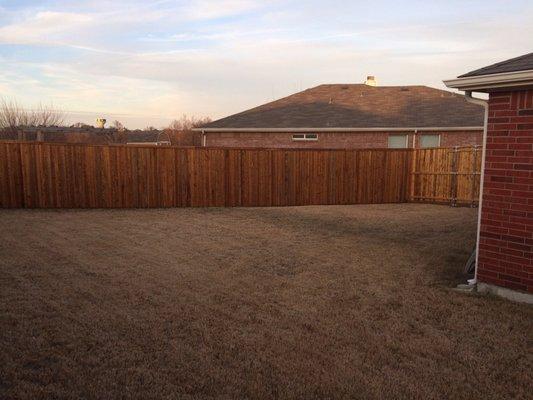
100, 122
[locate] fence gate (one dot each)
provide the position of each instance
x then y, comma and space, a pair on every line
446, 175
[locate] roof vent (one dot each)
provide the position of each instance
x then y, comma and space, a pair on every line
371, 80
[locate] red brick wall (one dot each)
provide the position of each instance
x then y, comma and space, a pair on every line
467, 138
332, 139
506, 236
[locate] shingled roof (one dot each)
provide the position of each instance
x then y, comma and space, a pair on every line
522, 63
359, 106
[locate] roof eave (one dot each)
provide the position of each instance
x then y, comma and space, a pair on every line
339, 129
484, 83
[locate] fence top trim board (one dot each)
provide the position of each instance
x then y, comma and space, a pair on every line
151, 146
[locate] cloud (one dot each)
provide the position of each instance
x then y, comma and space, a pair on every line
46, 27
226, 35
211, 9
163, 58
103, 26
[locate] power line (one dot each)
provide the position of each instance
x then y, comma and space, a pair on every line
100, 112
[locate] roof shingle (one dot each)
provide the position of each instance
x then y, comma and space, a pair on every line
522, 63
360, 106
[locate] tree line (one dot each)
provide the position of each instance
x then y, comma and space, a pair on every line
14, 119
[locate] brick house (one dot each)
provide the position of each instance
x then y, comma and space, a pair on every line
505, 231
353, 116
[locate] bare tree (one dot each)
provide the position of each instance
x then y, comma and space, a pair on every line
180, 131
13, 116
186, 123
47, 116
81, 125
116, 136
119, 126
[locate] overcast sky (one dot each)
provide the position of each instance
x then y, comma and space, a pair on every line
145, 62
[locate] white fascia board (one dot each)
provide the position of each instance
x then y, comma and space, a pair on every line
332, 129
492, 81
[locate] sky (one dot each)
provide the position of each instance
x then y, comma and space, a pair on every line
146, 62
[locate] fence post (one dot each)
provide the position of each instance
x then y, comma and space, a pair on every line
453, 186
474, 175
412, 175
21, 171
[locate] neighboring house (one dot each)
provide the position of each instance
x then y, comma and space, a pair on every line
353, 116
505, 237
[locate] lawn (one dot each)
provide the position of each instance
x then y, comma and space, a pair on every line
297, 302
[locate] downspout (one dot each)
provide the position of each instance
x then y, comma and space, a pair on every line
204, 139
485, 104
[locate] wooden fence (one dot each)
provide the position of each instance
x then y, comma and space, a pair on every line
44, 175
446, 175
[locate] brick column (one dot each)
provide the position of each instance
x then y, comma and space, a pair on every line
506, 236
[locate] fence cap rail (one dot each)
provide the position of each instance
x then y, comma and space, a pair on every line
150, 145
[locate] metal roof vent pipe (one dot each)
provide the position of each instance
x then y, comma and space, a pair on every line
371, 80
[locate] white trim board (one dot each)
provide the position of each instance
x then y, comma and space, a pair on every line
332, 129
492, 81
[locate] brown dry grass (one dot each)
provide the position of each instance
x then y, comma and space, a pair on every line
309, 302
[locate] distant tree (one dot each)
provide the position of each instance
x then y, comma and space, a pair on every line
118, 125
116, 136
150, 128
186, 123
180, 131
13, 116
81, 125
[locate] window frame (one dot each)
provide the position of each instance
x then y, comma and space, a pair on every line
439, 136
406, 135
305, 137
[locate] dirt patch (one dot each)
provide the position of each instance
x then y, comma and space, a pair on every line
303, 302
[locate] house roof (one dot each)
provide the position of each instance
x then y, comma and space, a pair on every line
359, 106
515, 73
522, 63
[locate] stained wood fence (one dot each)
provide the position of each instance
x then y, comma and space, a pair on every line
446, 175
45, 175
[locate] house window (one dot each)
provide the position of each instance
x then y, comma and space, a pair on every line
397, 141
429, 141
305, 136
